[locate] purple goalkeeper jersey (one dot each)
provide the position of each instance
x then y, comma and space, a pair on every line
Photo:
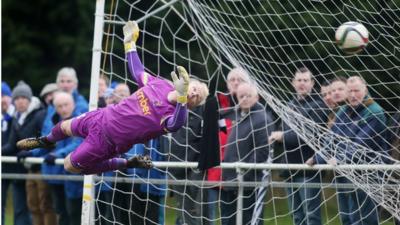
141, 116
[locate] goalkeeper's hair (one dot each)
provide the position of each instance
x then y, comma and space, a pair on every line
203, 89
69, 72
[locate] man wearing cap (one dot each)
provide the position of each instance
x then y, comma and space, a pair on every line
28, 120
47, 93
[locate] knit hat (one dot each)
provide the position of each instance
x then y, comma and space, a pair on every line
5, 89
48, 88
22, 90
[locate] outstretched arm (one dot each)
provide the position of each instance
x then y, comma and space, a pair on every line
135, 66
177, 120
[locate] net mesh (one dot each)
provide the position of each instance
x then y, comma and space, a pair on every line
269, 40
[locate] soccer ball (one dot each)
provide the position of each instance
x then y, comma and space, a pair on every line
351, 37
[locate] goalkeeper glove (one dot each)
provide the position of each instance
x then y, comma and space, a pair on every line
181, 84
131, 34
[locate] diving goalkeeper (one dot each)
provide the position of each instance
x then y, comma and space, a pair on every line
157, 107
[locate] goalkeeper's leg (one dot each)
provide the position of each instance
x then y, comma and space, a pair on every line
96, 155
137, 161
60, 131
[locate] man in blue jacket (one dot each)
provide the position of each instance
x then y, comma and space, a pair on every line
363, 121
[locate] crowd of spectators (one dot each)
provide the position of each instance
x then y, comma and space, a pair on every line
228, 127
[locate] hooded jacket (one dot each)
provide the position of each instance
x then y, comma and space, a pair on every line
24, 125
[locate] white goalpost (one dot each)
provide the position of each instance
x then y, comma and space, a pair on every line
269, 40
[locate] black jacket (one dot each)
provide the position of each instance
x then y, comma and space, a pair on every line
184, 144
296, 150
31, 126
209, 144
248, 142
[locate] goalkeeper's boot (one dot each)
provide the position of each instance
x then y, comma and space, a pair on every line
37, 142
139, 161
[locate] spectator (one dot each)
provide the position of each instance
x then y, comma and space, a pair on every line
115, 95
21, 213
304, 202
121, 91
47, 96
339, 91
64, 104
67, 81
246, 143
64, 198
7, 112
145, 200
104, 83
29, 120
363, 122
327, 95
184, 146
226, 101
339, 95
66, 194
47, 93
109, 96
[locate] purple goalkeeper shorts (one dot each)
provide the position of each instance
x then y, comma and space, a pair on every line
96, 147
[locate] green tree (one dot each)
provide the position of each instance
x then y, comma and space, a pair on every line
42, 36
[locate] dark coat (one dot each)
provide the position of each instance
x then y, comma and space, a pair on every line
31, 126
248, 142
296, 150
209, 145
364, 125
184, 144
312, 107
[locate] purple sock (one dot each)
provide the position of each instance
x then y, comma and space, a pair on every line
56, 133
107, 165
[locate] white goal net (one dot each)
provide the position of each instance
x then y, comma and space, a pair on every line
270, 41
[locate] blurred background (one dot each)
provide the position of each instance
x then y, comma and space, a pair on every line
40, 37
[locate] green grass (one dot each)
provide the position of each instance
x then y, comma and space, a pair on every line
275, 212
9, 219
